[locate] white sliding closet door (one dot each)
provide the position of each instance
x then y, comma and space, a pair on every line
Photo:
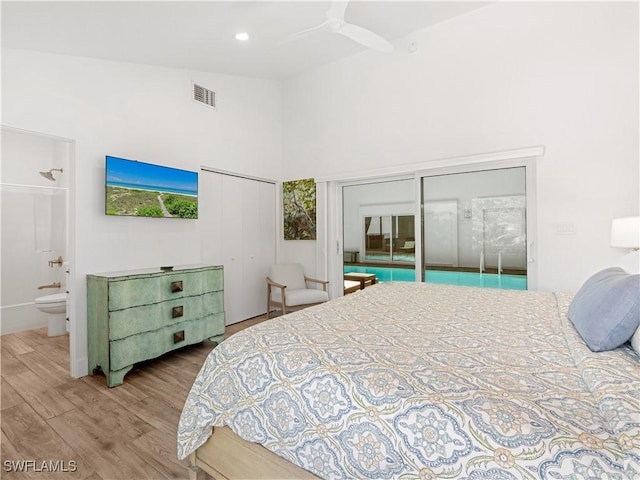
232, 247
240, 233
260, 245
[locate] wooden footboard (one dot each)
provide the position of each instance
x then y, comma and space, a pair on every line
227, 456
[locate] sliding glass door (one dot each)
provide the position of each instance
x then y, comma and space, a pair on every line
379, 231
475, 228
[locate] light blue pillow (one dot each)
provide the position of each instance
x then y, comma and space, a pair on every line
606, 309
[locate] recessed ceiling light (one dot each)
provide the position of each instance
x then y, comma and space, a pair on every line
242, 36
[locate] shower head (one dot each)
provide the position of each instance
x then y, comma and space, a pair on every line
49, 175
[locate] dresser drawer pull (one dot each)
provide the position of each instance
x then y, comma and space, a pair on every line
177, 312
178, 337
176, 286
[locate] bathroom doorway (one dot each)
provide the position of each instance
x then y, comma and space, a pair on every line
36, 243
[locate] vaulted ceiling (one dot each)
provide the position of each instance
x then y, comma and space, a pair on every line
200, 35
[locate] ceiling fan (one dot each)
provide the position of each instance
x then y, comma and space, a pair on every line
335, 23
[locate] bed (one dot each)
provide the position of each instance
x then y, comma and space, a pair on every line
409, 380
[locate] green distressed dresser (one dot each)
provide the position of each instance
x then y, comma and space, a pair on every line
138, 315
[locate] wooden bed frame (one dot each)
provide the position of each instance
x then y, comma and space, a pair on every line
227, 456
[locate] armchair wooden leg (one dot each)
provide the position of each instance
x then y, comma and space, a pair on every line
268, 302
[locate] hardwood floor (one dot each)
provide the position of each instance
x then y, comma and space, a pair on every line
61, 427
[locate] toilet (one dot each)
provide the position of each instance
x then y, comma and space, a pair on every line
56, 306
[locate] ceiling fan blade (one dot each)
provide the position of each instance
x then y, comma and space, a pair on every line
365, 37
337, 9
308, 31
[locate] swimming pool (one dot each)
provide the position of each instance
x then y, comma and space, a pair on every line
470, 279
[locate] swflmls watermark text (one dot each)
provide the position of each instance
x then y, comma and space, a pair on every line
39, 466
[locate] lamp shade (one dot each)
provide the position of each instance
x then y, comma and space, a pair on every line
625, 232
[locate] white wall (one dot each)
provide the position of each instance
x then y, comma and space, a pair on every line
144, 113
509, 75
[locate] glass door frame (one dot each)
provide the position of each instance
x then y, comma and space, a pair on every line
531, 212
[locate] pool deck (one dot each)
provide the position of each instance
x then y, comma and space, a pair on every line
506, 271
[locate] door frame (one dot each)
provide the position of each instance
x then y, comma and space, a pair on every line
77, 333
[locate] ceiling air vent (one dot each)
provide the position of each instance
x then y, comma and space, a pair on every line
204, 95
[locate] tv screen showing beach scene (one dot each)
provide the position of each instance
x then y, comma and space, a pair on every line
146, 190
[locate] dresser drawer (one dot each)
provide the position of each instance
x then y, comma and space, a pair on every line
130, 292
144, 346
146, 318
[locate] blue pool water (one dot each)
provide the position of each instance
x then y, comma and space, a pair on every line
470, 279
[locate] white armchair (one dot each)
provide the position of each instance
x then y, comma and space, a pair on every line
409, 246
287, 288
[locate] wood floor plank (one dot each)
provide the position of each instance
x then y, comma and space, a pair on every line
10, 365
194, 353
236, 327
94, 476
10, 398
133, 465
155, 386
159, 450
110, 459
107, 414
55, 354
62, 341
172, 374
189, 360
45, 400
126, 394
158, 413
15, 345
49, 372
33, 439
8, 453
34, 337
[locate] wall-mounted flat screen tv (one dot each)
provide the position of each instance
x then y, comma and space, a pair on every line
147, 190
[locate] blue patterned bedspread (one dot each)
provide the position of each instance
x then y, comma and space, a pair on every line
409, 380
